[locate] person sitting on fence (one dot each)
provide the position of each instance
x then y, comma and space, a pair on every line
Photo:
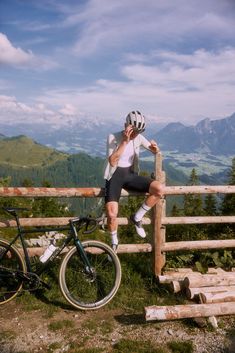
122, 172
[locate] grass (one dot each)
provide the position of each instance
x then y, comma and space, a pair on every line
53, 346
128, 346
30, 302
106, 327
37, 301
91, 325
60, 325
138, 289
23, 151
47, 301
181, 346
138, 286
89, 350
95, 325
7, 335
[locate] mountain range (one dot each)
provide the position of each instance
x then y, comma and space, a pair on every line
210, 136
208, 146
89, 135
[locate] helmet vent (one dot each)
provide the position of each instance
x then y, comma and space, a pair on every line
136, 119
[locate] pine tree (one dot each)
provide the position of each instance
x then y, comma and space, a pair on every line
175, 231
193, 207
5, 181
49, 206
193, 203
27, 183
228, 204
175, 212
210, 208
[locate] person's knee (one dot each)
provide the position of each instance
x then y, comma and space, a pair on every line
111, 215
156, 189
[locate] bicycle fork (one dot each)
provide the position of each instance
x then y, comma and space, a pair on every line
82, 253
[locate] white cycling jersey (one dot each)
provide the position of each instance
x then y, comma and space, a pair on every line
127, 157
113, 142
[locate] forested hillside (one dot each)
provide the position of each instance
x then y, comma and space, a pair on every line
76, 170
23, 151
26, 161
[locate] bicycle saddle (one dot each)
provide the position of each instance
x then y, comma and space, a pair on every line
14, 210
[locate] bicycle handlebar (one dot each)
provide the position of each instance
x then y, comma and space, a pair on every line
89, 223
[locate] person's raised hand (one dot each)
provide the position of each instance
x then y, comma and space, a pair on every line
154, 147
127, 133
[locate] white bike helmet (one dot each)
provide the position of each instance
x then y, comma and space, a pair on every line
137, 120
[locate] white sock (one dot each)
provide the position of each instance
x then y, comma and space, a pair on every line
114, 237
141, 211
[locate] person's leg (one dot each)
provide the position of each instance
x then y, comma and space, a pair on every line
155, 194
112, 224
113, 188
155, 190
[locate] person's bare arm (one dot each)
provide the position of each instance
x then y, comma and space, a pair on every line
114, 157
153, 147
150, 145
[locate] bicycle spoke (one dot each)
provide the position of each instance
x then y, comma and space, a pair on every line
90, 290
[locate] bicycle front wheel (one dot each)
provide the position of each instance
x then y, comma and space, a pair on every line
83, 289
11, 264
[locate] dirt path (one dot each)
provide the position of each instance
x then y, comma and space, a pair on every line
70, 331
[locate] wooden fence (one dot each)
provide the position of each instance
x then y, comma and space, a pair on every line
159, 246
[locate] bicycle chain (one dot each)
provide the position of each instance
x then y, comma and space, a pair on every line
28, 278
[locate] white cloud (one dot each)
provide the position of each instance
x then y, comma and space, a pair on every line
17, 57
175, 86
11, 55
68, 109
201, 70
166, 84
14, 112
105, 25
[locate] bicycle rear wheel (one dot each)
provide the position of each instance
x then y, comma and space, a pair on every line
11, 262
88, 291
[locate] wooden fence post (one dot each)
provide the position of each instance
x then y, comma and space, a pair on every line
163, 227
158, 229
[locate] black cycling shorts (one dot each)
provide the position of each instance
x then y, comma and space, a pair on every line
125, 178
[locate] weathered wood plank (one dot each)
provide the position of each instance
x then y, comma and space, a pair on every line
122, 249
99, 192
198, 244
175, 312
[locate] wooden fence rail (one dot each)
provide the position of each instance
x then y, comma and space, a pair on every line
99, 192
159, 246
61, 221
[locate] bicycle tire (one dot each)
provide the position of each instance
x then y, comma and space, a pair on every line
86, 292
12, 261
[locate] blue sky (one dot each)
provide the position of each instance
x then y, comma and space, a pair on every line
172, 60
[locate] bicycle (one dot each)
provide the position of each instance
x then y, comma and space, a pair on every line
89, 275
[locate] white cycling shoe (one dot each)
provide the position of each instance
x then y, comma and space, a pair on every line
114, 247
138, 227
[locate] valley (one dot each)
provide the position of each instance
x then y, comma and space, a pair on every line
51, 153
